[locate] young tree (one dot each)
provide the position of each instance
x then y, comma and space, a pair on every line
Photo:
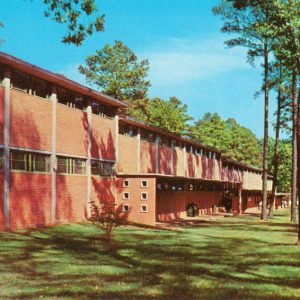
171, 115
250, 20
116, 70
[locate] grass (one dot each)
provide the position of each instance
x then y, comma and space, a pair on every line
230, 258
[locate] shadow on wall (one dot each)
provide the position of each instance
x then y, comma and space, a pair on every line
165, 162
103, 188
30, 193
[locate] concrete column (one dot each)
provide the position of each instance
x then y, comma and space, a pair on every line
184, 159
88, 162
6, 85
53, 164
156, 154
139, 150
240, 199
172, 157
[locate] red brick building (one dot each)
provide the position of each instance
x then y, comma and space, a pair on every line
63, 145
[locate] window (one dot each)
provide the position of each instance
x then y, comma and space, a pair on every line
125, 183
128, 130
125, 207
126, 196
1, 72
147, 136
144, 208
29, 162
71, 99
40, 88
102, 168
103, 110
67, 165
144, 183
1, 159
19, 80
144, 196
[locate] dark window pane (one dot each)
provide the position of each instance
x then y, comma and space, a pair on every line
17, 160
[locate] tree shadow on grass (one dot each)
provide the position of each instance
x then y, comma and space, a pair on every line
73, 262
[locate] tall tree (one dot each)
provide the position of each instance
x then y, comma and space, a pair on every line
79, 16
171, 115
285, 26
249, 20
116, 70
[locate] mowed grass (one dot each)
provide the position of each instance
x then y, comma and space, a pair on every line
230, 258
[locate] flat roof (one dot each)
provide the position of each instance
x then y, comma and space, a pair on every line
58, 79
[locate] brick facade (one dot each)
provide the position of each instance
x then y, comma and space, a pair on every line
60, 190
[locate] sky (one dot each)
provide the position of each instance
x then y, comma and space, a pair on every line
180, 38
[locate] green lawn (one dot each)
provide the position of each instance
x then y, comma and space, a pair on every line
230, 258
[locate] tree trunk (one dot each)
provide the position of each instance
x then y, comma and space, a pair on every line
298, 145
266, 134
294, 153
276, 153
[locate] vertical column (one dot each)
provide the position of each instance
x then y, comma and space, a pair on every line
116, 155
240, 198
88, 162
184, 160
6, 85
53, 98
172, 157
138, 150
156, 154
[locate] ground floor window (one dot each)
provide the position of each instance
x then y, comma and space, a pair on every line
102, 168
68, 165
29, 162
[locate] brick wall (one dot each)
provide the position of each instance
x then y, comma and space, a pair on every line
71, 198
172, 205
148, 157
164, 160
1, 203
103, 138
30, 200
2, 115
31, 121
128, 159
71, 130
135, 201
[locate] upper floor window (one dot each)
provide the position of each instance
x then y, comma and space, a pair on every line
103, 110
147, 136
70, 98
20, 80
128, 130
102, 168
165, 141
40, 88
29, 162
1, 72
67, 165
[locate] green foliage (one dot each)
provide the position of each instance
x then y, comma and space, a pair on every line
105, 215
285, 163
239, 142
79, 15
116, 70
171, 115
